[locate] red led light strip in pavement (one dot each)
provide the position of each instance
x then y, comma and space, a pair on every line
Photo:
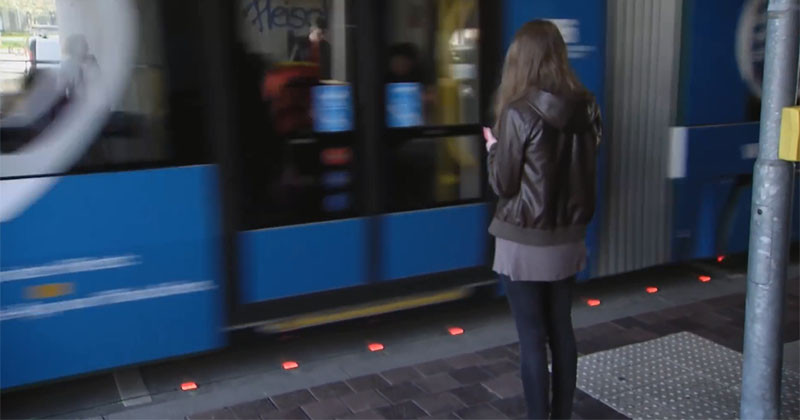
375, 347
290, 365
188, 386
455, 331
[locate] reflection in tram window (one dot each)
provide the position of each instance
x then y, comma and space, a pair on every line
303, 44
136, 128
52, 65
297, 131
429, 172
432, 79
435, 43
29, 76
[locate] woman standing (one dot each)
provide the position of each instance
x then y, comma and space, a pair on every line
542, 166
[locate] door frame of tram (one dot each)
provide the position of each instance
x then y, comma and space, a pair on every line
220, 32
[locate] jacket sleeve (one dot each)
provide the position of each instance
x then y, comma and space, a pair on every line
596, 119
506, 157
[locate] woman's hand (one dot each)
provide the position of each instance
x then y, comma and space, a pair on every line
489, 137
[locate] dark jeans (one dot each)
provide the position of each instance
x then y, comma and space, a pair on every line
543, 314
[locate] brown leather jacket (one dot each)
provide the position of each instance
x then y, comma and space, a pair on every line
543, 169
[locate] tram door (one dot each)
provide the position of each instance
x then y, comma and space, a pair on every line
436, 215
300, 230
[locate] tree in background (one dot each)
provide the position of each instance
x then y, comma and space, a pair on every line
27, 13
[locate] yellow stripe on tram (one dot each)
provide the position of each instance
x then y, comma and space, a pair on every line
49, 291
305, 321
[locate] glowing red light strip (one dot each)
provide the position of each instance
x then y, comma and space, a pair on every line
188, 386
455, 331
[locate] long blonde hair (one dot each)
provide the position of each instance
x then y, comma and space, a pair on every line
536, 58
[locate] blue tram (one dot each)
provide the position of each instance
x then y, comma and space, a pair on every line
189, 169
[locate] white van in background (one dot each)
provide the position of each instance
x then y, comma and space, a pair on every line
44, 49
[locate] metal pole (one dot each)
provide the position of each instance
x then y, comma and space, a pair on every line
770, 222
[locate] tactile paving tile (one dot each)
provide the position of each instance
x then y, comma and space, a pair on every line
637, 376
790, 409
677, 389
637, 406
792, 370
790, 395
596, 381
679, 341
698, 357
728, 375
790, 384
603, 360
720, 366
728, 399
628, 355
696, 408
709, 359
680, 376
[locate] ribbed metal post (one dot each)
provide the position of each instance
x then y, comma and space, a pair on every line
770, 221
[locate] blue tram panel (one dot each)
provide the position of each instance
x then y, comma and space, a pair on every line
433, 241
302, 259
110, 269
712, 169
714, 148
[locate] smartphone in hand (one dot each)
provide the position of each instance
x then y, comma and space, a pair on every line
489, 137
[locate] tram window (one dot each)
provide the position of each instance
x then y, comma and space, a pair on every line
296, 117
430, 172
49, 70
136, 129
434, 44
299, 45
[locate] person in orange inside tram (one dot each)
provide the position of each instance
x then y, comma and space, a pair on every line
315, 48
541, 164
